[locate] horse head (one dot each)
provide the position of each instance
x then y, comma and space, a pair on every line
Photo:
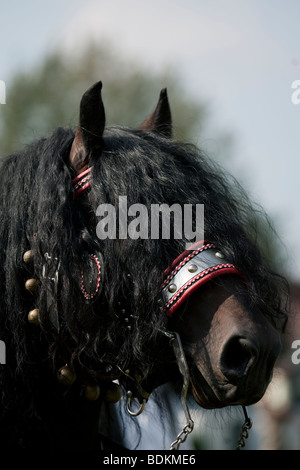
230, 342
115, 297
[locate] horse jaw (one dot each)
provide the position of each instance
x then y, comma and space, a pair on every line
231, 350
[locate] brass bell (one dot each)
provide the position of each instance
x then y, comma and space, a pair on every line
27, 257
31, 285
33, 316
91, 392
66, 375
113, 393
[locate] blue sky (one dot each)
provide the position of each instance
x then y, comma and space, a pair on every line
240, 56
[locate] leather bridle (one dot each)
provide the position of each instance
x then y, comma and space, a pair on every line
197, 265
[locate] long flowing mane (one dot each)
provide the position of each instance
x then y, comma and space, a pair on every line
40, 213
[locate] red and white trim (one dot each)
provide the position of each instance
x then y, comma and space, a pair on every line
192, 269
89, 296
82, 182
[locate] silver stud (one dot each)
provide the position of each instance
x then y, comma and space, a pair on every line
218, 254
192, 268
172, 288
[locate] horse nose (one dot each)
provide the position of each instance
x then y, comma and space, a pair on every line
238, 355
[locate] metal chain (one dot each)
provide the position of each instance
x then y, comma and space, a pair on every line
188, 428
184, 370
245, 431
175, 341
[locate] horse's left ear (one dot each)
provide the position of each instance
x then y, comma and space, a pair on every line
160, 121
88, 137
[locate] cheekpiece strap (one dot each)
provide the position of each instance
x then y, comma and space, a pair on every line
192, 269
82, 182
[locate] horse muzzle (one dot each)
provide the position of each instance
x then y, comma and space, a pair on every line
247, 366
239, 375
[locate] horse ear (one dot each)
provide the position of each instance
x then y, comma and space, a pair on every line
88, 136
160, 121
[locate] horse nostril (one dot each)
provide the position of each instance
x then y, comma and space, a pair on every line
238, 355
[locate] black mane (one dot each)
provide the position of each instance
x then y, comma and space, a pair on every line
39, 213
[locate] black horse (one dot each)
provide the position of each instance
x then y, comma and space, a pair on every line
86, 316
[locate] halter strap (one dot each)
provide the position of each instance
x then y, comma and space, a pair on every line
192, 269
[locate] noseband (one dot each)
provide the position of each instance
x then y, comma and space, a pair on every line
193, 268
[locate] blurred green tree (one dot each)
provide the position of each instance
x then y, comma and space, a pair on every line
48, 96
